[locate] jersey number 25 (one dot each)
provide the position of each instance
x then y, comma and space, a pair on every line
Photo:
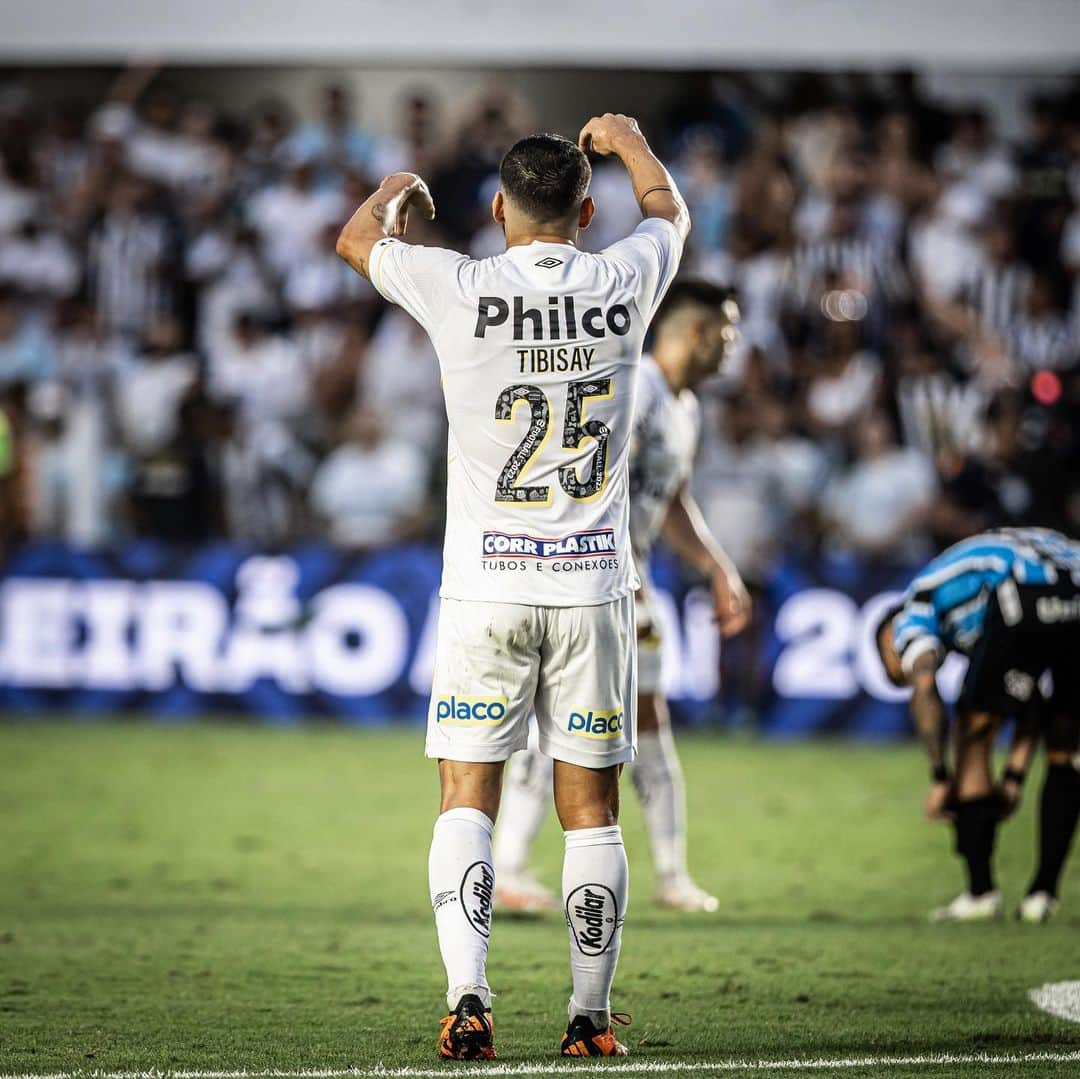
507, 488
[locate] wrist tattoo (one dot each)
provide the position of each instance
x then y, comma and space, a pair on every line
378, 211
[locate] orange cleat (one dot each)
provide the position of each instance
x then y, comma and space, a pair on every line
468, 1032
584, 1039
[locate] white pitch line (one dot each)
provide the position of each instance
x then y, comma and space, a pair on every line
651, 1067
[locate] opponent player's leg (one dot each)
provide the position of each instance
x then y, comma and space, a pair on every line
1059, 809
525, 802
485, 675
977, 812
585, 706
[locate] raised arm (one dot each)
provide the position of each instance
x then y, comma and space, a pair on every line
689, 537
657, 194
385, 213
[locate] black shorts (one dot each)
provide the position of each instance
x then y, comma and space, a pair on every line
1029, 629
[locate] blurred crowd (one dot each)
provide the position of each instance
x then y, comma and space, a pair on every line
182, 355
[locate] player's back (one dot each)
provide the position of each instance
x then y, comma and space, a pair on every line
539, 349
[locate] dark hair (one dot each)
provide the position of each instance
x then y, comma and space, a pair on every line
692, 292
546, 176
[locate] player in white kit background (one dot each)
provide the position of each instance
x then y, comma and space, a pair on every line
693, 332
539, 349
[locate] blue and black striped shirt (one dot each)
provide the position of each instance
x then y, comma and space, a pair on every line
945, 606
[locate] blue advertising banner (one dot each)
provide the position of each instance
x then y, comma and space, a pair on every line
317, 631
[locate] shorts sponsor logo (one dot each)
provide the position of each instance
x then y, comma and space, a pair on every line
592, 724
477, 889
455, 711
576, 545
1019, 684
593, 916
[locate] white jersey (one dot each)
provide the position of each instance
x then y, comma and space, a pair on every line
665, 438
539, 349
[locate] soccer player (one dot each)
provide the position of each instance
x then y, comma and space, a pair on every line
693, 332
1009, 600
539, 349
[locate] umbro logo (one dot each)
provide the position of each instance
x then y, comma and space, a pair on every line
549, 263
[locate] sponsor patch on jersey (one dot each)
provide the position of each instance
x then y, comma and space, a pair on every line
593, 916
575, 545
459, 711
596, 724
1019, 684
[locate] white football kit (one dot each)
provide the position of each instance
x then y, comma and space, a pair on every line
539, 349
664, 442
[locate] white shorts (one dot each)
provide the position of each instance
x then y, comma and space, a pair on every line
649, 657
649, 647
495, 662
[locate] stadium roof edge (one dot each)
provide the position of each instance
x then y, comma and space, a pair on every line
997, 34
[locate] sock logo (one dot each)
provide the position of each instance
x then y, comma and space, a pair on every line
442, 899
597, 724
477, 889
457, 711
593, 916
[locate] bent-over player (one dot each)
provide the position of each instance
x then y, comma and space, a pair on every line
692, 333
1008, 599
539, 349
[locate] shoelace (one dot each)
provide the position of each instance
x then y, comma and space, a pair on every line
624, 1019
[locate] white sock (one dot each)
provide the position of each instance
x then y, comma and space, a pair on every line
462, 879
595, 879
526, 799
658, 779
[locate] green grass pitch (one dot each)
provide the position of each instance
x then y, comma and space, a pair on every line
226, 897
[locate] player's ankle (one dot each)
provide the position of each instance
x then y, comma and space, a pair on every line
599, 1017
453, 998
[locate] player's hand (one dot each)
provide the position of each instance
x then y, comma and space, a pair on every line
937, 801
413, 192
731, 602
1009, 793
606, 134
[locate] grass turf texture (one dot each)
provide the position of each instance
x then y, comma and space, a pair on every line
225, 897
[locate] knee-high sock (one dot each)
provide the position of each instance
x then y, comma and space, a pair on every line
595, 881
1058, 813
658, 779
462, 880
526, 799
976, 830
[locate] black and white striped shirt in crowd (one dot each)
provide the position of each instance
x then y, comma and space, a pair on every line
876, 267
1048, 343
129, 271
997, 294
937, 411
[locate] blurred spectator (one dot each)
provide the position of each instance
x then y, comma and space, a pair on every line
289, 216
371, 489
131, 260
399, 380
39, 264
879, 506
26, 353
